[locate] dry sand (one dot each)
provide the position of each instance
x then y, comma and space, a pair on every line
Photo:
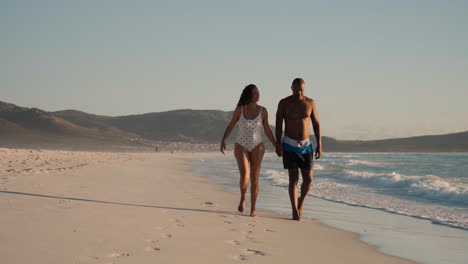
97, 207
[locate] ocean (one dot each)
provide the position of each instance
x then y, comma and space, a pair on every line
412, 205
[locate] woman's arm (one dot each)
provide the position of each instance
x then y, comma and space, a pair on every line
230, 127
266, 127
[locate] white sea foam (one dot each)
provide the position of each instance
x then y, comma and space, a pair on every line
318, 167
352, 162
385, 188
429, 187
279, 178
368, 197
440, 200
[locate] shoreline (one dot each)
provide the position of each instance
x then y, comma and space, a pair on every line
393, 234
102, 207
354, 236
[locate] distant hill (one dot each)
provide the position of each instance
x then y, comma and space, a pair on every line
201, 126
35, 128
456, 142
32, 127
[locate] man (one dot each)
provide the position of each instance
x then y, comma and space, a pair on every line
296, 149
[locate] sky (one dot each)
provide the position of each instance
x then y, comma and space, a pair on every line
375, 69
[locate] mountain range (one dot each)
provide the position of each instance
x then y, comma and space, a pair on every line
22, 127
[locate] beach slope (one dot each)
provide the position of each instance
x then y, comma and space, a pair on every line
98, 207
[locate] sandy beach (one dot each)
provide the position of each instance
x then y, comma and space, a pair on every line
101, 207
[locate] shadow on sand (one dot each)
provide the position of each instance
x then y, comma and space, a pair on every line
138, 205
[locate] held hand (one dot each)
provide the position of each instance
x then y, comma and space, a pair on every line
275, 146
318, 151
222, 148
279, 150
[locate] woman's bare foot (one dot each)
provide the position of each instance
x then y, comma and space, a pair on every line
253, 214
241, 206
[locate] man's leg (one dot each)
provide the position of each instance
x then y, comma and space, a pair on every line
307, 176
293, 179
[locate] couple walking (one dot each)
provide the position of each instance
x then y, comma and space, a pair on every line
295, 146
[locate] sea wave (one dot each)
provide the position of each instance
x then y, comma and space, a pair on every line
455, 218
430, 187
367, 197
369, 163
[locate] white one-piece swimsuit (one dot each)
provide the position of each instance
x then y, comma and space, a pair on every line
249, 134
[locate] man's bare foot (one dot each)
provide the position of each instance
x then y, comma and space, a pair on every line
295, 216
253, 214
300, 206
241, 206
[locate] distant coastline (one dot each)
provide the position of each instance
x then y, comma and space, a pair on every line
179, 130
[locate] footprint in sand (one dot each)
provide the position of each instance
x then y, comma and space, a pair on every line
117, 255
249, 232
251, 225
152, 249
178, 221
233, 242
240, 257
166, 235
227, 222
255, 252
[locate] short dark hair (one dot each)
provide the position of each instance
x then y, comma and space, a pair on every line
246, 95
297, 82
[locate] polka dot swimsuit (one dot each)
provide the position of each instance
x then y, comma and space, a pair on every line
249, 134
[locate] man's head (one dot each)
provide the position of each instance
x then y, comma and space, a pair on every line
297, 87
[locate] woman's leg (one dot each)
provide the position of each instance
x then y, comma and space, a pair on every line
256, 157
242, 157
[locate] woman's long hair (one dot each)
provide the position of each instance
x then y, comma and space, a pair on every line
246, 95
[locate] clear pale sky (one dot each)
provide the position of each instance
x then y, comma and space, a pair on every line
376, 69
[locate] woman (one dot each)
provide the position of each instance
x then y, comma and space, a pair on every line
249, 147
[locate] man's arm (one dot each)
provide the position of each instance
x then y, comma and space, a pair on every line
279, 128
316, 126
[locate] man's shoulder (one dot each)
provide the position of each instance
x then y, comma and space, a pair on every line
286, 99
308, 101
